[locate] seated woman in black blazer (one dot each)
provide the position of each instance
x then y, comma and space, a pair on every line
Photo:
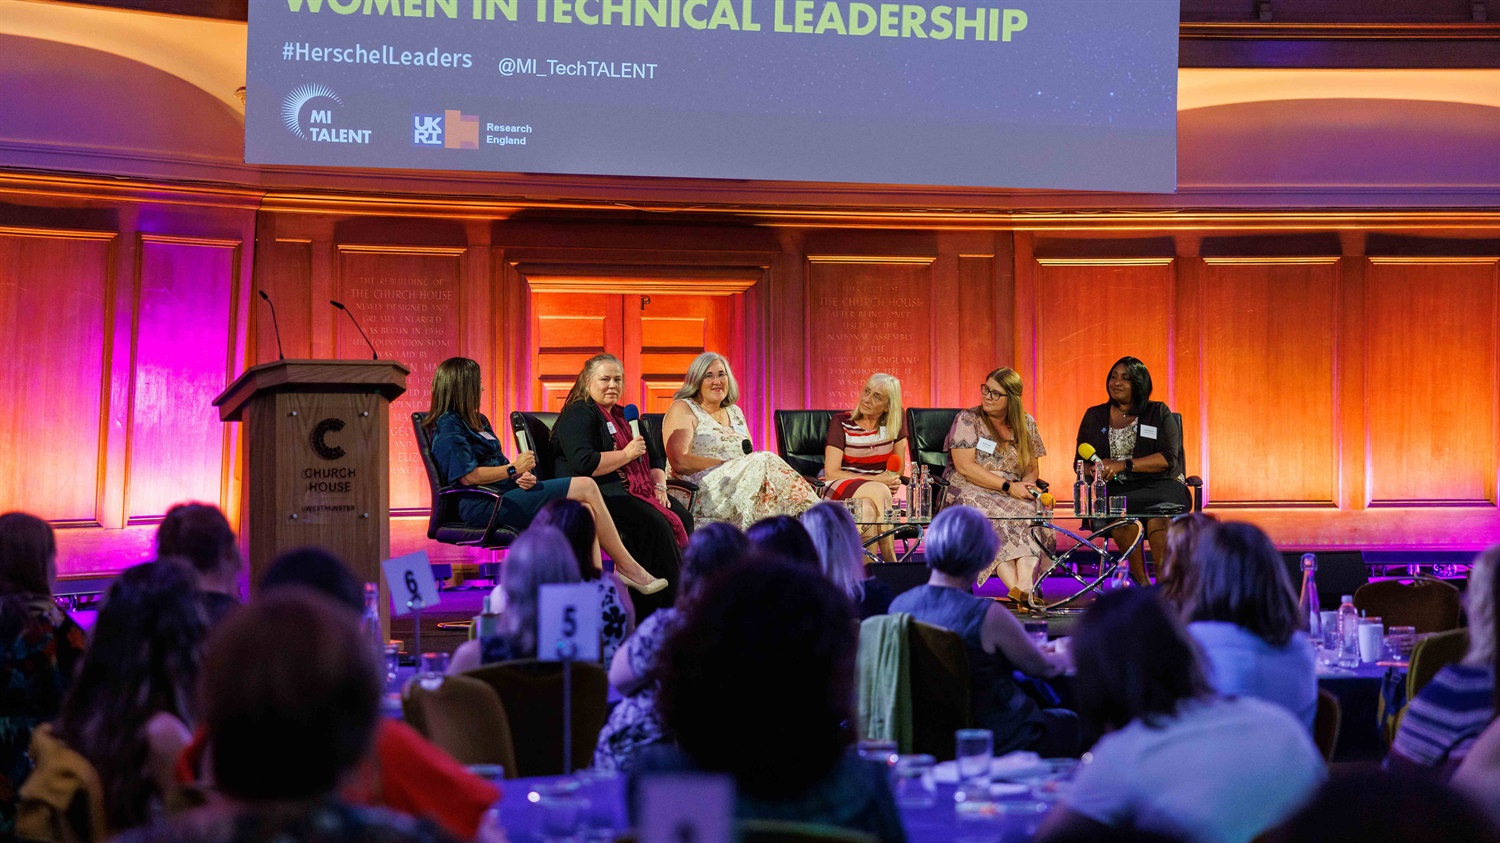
592, 439
466, 451
1139, 442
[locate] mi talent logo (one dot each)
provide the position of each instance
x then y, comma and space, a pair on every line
451, 130
308, 112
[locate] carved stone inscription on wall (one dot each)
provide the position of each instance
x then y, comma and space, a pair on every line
408, 304
867, 317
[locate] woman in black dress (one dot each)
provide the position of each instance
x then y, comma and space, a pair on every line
592, 439
1139, 442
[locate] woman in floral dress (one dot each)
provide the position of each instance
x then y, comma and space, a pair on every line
993, 451
708, 443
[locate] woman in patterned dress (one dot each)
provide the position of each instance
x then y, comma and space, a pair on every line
708, 443
857, 455
993, 451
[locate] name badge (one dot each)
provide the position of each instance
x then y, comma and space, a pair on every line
611, 426
986, 445
1148, 432
485, 434
883, 434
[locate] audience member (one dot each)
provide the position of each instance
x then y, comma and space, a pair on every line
1174, 574
1478, 775
404, 772
960, 545
841, 553
758, 683
540, 556
1371, 806
290, 696
634, 724
200, 534
39, 647
1445, 719
617, 613
131, 709
1243, 614
783, 536
1174, 759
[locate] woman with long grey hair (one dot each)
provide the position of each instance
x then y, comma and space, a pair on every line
708, 443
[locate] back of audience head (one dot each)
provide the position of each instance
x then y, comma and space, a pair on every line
960, 543
28, 555
292, 727
769, 647
714, 547
576, 523
841, 553
1239, 578
319, 570
1134, 661
1176, 578
143, 660
1491, 558
783, 536
540, 556
1479, 605
1373, 806
200, 534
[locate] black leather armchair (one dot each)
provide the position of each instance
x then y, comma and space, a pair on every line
444, 524
801, 436
926, 432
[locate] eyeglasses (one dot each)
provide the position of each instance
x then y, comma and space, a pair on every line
989, 394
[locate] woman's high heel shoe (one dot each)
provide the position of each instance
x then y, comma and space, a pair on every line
656, 584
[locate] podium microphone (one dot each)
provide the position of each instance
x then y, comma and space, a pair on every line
350, 314
274, 327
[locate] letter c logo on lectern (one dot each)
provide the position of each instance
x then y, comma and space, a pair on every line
322, 448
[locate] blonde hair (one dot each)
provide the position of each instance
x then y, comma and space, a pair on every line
1015, 416
692, 382
841, 554
891, 418
580, 388
455, 389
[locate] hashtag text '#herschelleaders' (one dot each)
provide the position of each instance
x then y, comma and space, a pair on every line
386, 54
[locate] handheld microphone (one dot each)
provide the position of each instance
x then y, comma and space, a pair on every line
633, 418
274, 327
518, 427
340, 306
1087, 452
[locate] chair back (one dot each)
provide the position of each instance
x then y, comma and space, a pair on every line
1327, 723
1431, 655
463, 717
1428, 605
801, 436
926, 433
539, 431
941, 701
437, 517
532, 693
651, 432
62, 800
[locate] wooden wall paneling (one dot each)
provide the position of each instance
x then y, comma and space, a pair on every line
1024, 310
868, 314
569, 329
1271, 334
509, 379
1431, 363
971, 320
54, 294
187, 296
1091, 312
407, 299
121, 308
1188, 361
673, 331
1353, 447
284, 271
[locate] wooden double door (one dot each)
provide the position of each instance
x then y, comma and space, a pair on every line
655, 335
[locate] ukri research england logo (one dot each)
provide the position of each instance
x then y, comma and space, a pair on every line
308, 112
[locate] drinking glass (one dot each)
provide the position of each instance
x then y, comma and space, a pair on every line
1401, 640
856, 509
1117, 506
392, 661
915, 785
1371, 640
974, 748
1036, 630
884, 752
434, 664
561, 806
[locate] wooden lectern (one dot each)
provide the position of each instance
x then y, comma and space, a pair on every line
317, 461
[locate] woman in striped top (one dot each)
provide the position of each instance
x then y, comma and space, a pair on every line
857, 457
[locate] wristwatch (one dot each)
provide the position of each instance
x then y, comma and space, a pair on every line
1005, 488
510, 470
1129, 465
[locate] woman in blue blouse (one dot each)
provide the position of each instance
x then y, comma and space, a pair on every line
466, 451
